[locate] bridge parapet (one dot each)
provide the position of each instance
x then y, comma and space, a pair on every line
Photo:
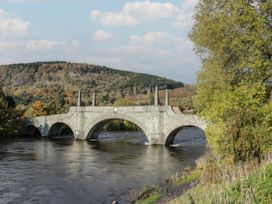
124, 109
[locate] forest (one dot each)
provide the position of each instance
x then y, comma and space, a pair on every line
56, 84
46, 88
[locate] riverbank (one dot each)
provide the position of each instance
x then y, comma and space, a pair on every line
215, 182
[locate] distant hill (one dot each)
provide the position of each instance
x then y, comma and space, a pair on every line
49, 81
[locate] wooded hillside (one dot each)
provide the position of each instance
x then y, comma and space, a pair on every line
58, 83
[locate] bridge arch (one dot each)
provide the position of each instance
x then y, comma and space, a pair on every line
95, 127
31, 131
61, 130
170, 137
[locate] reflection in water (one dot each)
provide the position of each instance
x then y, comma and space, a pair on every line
59, 171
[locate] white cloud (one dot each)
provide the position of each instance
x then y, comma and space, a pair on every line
156, 38
146, 10
160, 45
10, 45
41, 45
10, 25
75, 44
32, 45
114, 19
101, 35
136, 12
141, 52
160, 53
185, 16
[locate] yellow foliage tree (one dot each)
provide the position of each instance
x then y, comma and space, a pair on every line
37, 109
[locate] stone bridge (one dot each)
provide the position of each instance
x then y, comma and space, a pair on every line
159, 123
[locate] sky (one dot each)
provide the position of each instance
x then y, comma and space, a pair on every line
143, 36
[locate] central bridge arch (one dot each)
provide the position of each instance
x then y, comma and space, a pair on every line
94, 128
172, 134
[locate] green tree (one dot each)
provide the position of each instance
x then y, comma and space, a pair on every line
10, 118
57, 107
3, 102
233, 39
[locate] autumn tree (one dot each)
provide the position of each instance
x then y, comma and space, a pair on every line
234, 40
38, 108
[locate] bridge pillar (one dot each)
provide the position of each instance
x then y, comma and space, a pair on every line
79, 98
156, 99
93, 99
79, 120
166, 98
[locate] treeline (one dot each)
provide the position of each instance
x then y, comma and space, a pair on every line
45, 80
233, 38
53, 87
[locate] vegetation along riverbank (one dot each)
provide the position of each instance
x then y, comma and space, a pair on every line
214, 181
233, 39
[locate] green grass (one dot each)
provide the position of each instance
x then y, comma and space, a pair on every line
192, 176
252, 187
259, 185
153, 198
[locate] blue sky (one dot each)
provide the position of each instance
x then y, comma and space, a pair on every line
143, 36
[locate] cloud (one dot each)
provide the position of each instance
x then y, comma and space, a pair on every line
156, 38
158, 44
160, 53
101, 35
41, 45
33, 45
75, 44
114, 19
185, 16
10, 25
133, 13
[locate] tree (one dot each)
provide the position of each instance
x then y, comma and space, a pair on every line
56, 107
38, 108
233, 39
3, 102
10, 118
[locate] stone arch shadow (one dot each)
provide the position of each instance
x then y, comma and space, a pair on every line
174, 132
31, 131
61, 130
96, 127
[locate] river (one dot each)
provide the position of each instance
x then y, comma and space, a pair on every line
79, 172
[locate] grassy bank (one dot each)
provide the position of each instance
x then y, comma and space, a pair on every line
214, 181
172, 186
242, 183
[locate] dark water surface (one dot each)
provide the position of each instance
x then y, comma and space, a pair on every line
61, 171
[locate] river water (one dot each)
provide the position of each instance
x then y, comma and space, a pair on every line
65, 171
